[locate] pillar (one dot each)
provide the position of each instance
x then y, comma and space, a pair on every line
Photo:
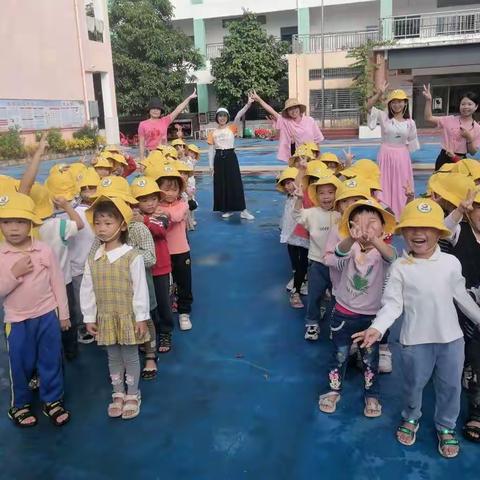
386, 13
201, 45
303, 22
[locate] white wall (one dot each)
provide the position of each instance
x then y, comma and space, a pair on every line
407, 7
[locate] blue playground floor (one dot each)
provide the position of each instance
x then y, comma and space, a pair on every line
237, 396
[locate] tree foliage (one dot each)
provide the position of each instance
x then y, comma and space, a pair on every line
150, 57
250, 59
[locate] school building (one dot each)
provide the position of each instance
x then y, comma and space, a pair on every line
56, 67
435, 41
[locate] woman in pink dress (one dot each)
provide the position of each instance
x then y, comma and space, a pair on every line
294, 126
399, 139
153, 132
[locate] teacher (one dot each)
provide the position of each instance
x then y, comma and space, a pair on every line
294, 126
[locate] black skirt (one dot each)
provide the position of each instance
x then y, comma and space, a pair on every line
228, 193
443, 158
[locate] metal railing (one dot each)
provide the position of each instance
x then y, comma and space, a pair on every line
333, 42
214, 50
429, 26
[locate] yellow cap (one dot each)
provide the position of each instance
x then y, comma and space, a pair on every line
61, 167
289, 173
396, 95
467, 166
18, 205
447, 168
43, 201
121, 205
115, 187
351, 188
114, 157
62, 185
156, 156
371, 183
329, 157
75, 169
88, 178
177, 141
315, 169
112, 149
452, 187
193, 148
170, 152
182, 166
142, 186
363, 168
388, 218
8, 184
301, 151
168, 169
326, 179
160, 148
101, 162
312, 146
423, 212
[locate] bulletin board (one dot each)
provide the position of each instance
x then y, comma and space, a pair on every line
34, 115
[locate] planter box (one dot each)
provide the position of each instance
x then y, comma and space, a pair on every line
365, 133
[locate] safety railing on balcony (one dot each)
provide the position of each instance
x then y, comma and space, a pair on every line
425, 27
214, 50
333, 42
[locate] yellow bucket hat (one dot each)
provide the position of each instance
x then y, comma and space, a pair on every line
62, 185
351, 188
326, 179
156, 156
315, 169
112, 149
75, 169
452, 187
115, 187
301, 151
388, 218
170, 152
423, 212
18, 205
168, 169
397, 95
160, 148
447, 168
177, 141
142, 186
88, 178
289, 173
370, 183
467, 166
182, 166
101, 162
312, 146
8, 184
61, 167
193, 148
329, 157
121, 205
115, 157
363, 168
43, 201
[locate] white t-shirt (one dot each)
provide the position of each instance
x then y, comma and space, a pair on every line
81, 244
56, 232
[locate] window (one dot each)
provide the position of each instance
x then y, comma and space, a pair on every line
339, 103
340, 72
262, 19
406, 27
94, 25
458, 24
286, 33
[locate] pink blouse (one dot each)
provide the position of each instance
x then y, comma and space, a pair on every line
452, 139
154, 131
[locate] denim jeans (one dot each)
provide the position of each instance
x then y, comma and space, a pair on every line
318, 283
342, 328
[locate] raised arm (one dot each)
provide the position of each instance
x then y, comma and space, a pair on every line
243, 111
427, 113
264, 105
183, 106
373, 100
31, 172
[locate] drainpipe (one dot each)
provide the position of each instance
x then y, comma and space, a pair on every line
82, 61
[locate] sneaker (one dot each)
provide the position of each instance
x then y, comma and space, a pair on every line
184, 321
296, 301
289, 286
246, 215
227, 214
304, 288
385, 360
312, 332
85, 337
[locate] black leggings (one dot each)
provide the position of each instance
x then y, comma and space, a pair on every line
299, 261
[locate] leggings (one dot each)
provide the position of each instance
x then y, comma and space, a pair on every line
299, 261
124, 367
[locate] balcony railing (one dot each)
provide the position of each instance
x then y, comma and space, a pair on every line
214, 50
333, 42
432, 27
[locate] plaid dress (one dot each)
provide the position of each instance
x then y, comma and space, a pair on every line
114, 293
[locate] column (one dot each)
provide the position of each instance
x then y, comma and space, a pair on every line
386, 13
200, 44
303, 21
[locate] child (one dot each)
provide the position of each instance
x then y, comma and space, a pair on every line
425, 285
131, 165
180, 147
189, 194
193, 155
171, 204
317, 220
146, 191
102, 166
331, 161
363, 259
297, 246
31, 272
115, 304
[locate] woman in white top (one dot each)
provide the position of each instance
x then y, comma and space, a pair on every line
399, 139
228, 195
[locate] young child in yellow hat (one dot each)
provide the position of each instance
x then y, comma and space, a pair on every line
363, 258
33, 290
115, 302
424, 285
188, 195
192, 155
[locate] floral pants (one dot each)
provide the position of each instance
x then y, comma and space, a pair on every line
342, 328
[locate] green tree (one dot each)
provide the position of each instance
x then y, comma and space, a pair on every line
150, 57
250, 59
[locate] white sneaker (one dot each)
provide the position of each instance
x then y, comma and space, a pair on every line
227, 214
184, 321
246, 215
385, 360
312, 332
85, 338
289, 286
304, 288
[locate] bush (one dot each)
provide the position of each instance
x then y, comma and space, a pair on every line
79, 144
56, 143
11, 144
263, 133
86, 132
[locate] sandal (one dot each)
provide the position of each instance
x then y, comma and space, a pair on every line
54, 410
471, 432
131, 410
447, 442
164, 342
18, 415
412, 432
327, 403
373, 408
296, 301
149, 373
115, 408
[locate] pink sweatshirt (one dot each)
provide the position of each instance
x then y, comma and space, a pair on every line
36, 293
177, 228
